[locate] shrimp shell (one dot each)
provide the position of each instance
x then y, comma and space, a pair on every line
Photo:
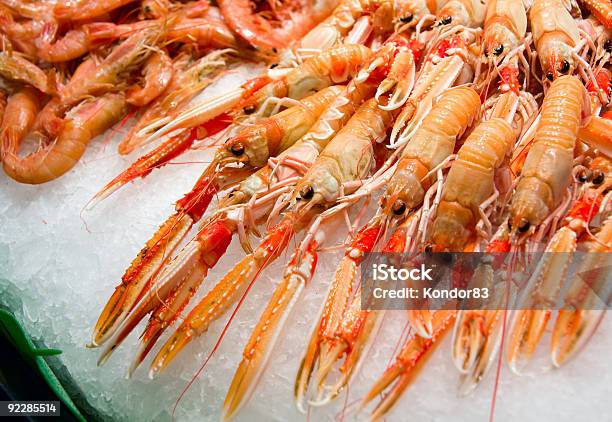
273, 135
70, 46
470, 182
432, 143
505, 25
349, 156
92, 78
332, 66
555, 33
15, 67
157, 74
546, 174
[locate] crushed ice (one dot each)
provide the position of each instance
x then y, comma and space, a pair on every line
65, 268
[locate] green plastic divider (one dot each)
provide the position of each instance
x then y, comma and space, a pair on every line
12, 329
46, 361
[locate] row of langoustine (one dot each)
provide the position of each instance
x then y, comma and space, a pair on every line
471, 168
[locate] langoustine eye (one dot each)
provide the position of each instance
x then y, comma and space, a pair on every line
598, 177
584, 175
237, 149
399, 207
307, 192
407, 18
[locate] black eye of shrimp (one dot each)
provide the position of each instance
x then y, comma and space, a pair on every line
583, 176
565, 67
307, 192
608, 46
399, 207
407, 18
498, 50
549, 76
523, 226
598, 177
249, 109
237, 149
446, 20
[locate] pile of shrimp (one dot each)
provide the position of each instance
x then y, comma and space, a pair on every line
469, 126
72, 69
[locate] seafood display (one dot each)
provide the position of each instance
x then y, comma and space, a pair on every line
418, 130
109, 62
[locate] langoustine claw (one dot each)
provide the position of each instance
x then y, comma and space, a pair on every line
581, 311
252, 148
585, 302
258, 350
343, 327
335, 65
410, 360
221, 297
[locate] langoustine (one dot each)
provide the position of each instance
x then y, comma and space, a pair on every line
417, 221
